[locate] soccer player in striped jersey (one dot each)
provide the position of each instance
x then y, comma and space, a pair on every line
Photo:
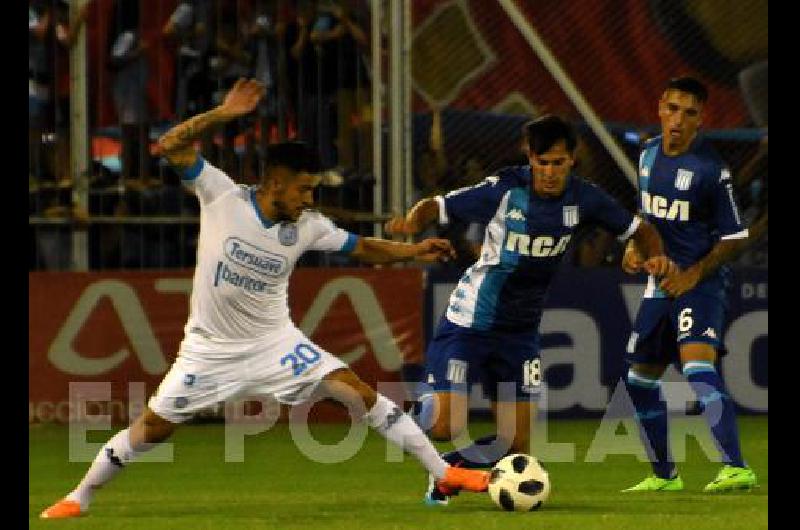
239, 339
687, 194
489, 333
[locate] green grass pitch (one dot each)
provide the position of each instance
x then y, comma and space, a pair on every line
277, 487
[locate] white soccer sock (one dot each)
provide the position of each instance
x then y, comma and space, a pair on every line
111, 459
397, 427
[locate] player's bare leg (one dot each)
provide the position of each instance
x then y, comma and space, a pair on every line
148, 430
396, 426
514, 423
449, 413
697, 359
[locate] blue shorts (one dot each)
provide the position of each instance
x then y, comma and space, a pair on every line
663, 324
458, 357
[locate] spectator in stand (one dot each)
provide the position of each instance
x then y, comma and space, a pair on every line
264, 36
40, 83
129, 68
331, 78
190, 26
229, 60
66, 35
339, 41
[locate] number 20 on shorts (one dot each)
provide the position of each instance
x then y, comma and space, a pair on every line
301, 358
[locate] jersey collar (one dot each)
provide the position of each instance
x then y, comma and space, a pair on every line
264, 220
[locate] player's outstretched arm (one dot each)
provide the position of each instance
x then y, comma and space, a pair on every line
418, 218
375, 250
177, 143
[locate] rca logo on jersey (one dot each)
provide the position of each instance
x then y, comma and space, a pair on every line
662, 208
683, 180
540, 247
253, 258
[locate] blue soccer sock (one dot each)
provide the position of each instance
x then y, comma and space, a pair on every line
651, 414
718, 409
484, 452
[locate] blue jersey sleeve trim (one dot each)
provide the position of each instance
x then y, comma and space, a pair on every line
349, 245
193, 172
265, 221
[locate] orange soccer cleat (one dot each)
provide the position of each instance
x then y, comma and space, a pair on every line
62, 510
457, 478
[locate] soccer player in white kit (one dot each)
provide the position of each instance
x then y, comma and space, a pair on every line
239, 339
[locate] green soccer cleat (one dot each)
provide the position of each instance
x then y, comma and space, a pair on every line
654, 483
732, 478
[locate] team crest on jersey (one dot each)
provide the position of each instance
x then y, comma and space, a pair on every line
570, 216
683, 180
287, 234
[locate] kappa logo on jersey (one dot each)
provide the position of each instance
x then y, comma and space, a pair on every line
662, 208
516, 214
256, 259
539, 247
570, 216
710, 333
683, 180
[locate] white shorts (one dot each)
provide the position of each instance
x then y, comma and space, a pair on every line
285, 365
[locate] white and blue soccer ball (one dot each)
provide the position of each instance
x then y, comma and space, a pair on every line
519, 483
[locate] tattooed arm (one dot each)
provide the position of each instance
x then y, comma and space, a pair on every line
177, 144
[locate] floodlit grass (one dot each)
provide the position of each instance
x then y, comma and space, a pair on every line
278, 487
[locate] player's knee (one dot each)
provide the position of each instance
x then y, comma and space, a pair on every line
697, 351
150, 428
346, 387
649, 371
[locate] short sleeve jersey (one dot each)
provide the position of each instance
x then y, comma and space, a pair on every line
524, 241
689, 199
244, 260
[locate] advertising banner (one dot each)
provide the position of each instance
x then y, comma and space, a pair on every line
122, 330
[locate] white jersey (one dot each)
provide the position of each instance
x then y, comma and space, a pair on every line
239, 290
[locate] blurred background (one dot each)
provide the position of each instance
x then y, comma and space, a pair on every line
402, 100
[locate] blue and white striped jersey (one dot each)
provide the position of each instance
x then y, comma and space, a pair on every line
689, 199
524, 241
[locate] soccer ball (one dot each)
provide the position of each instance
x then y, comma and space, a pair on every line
519, 483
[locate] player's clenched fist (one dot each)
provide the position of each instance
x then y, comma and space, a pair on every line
433, 249
632, 260
660, 266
